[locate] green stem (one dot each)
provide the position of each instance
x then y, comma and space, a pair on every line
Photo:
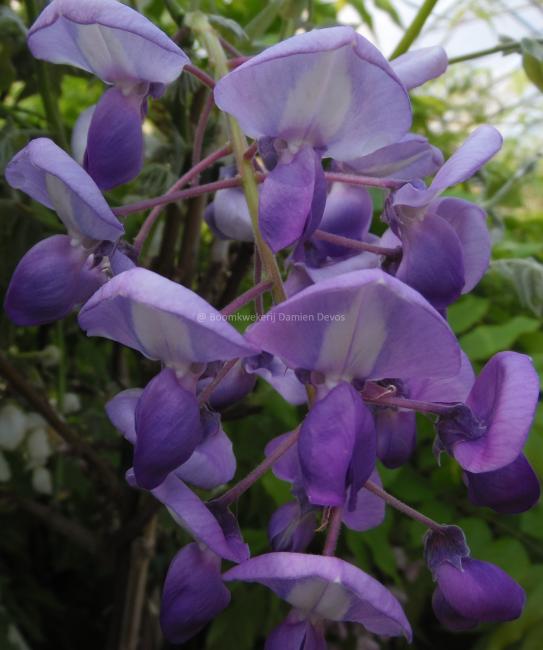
48, 96
415, 28
514, 46
200, 24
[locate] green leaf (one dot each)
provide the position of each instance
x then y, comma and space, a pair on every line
229, 24
509, 554
263, 20
526, 278
532, 61
360, 6
468, 311
388, 7
484, 341
477, 533
277, 489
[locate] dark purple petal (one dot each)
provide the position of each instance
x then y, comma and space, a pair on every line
418, 66
44, 285
504, 399
469, 224
364, 325
114, 153
296, 635
328, 438
106, 38
412, 157
47, 173
121, 410
509, 490
480, 591
448, 544
370, 509
448, 617
432, 260
236, 385
291, 527
287, 467
325, 88
292, 199
193, 593
168, 429
214, 529
396, 435
162, 320
326, 587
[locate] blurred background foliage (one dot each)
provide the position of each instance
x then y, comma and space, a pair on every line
72, 551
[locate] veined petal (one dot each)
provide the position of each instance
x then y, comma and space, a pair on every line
168, 429
114, 153
162, 320
504, 399
327, 587
449, 389
106, 38
325, 88
365, 325
291, 527
44, 285
47, 173
412, 157
198, 520
292, 200
509, 490
418, 66
193, 593
396, 435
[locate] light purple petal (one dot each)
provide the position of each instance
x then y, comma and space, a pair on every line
120, 262
196, 518
292, 200
212, 463
106, 38
504, 398
418, 66
275, 373
432, 260
161, 319
370, 509
480, 591
469, 224
193, 593
364, 325
236, 385
168, 429
44, 285
326, 587
412, 157
80, 134
47, 173
114, 153
296, 635
287, 467
450, 389
121, 410
325, 88
228, 215
327, 444
509, 490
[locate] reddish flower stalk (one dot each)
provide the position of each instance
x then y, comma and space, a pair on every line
202, 76
246, 297
355, 244
365, 181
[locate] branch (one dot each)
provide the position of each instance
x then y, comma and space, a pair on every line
415, 28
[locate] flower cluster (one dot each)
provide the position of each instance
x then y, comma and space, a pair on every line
380, 350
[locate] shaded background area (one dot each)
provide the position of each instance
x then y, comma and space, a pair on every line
82, 557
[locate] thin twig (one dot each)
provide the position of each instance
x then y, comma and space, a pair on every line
415, 28
356, 245
202, 76
246, 297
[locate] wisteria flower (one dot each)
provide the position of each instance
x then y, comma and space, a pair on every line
469, 592
325, 588
284, 95
167, 322
489, 431
123, 49
446, 245
63, 270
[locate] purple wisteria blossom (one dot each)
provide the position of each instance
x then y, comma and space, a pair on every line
283, 96
323, 588
63, 270
489, 431
123, 49
166, 322
446, 245
468, 592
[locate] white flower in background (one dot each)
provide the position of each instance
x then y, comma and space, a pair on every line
12, 427
35, 421
38, 447
42, 481
71, 403
51, 356
5, 472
